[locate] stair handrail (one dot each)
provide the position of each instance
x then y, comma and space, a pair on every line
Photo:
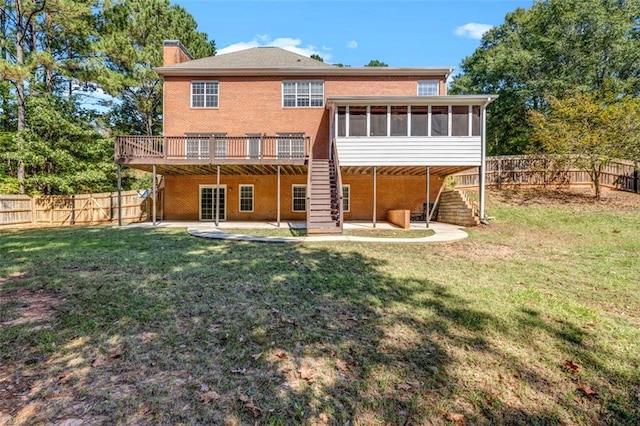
336, 165
309, 168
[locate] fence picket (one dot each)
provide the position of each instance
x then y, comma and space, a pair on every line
532, 170
62, 210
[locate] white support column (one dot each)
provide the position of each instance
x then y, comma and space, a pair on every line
427, 209
368, 131
483, 160
346, 122
409, 120
217, 203
119, 195
278, 207
388, 120
155, 195
375, 198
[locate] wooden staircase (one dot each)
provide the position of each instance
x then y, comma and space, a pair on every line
324, 198
454, 207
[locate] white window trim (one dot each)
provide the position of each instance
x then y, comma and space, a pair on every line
293, 198
437, 82
205, 94
296, 94
348, 187
200, 187
253, 198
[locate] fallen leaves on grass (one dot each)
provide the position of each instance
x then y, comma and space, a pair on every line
210, 396
342, 366
281, 355
570, 365
250, 405
115, 353
239, 370
404, 387
97, 361
456, 418
306, 374
588, 391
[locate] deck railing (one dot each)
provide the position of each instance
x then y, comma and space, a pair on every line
211, 149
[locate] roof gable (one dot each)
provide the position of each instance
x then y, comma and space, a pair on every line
256, 57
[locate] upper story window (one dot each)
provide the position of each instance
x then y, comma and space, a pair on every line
204, 94
302, 94
428, 88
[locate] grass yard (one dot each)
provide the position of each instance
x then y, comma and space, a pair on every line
533, 320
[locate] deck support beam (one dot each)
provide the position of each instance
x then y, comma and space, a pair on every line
483, 160
278, 206
119, 195
154, 195
217, 204
427, 209
375, 197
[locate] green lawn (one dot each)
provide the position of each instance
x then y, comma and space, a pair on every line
533, 320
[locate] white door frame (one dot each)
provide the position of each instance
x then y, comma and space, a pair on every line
224, 204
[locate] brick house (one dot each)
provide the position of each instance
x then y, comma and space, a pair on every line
265, 134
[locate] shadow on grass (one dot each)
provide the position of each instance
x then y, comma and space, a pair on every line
158, 327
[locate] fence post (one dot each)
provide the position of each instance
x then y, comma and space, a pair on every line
72, 217
33, 209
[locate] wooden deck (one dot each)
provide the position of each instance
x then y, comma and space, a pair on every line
207, 150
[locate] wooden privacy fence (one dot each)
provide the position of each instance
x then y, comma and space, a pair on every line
549, 171
59, 210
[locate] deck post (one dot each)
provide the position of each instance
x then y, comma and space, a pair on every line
483, 159
217, 204
375, 200
119, 195
427, 209
155, 193
278, 206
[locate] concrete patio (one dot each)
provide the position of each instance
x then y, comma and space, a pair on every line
443, 232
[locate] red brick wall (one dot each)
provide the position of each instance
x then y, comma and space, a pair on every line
182, 196
254, 105
173, 55
393, 192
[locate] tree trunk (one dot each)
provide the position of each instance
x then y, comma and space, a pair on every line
21, 105
3, 56
596, 170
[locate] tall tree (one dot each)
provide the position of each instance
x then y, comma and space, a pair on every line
588, 131
33, 52
132, 33
555, 48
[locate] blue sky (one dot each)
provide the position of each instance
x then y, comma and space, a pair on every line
401, 33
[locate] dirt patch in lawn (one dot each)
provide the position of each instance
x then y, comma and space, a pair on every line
576, 198
22, 306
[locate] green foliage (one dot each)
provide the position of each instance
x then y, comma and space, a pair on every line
376, 63
589, 130
48, 142
62, 152
131, 35
555, 48
317, 57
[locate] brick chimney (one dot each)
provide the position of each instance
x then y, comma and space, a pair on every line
173, 52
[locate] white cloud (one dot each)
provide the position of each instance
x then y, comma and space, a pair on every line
352, 44
291, 44
472, 30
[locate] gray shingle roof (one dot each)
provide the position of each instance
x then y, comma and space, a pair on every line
256, 57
